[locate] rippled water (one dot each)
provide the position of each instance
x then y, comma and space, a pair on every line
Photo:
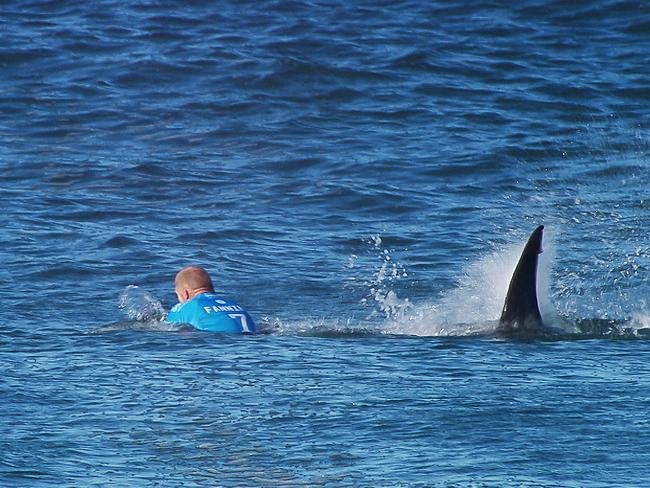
128, 409
360, 176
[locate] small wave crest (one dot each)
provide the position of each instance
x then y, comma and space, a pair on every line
150, 326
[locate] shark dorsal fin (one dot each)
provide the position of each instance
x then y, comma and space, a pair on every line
520, 315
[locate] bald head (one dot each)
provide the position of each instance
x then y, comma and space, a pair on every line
192, 281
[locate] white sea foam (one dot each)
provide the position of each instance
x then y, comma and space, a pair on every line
639, 323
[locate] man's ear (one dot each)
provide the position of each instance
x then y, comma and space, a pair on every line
186, 294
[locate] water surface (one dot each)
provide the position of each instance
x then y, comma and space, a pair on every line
361, 176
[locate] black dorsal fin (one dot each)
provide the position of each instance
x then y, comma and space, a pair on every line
520, 315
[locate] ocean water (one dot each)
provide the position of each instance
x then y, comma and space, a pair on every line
361, 176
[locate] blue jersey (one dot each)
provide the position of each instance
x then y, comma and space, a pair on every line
207, 311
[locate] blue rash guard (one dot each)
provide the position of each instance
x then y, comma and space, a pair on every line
209, 312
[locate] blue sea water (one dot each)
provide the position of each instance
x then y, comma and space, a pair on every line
362, 177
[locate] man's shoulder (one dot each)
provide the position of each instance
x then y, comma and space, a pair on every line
214, 298
212, 302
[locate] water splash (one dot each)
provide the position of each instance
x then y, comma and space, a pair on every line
473, 307
381, 285
140, 305
638, 323
144, 313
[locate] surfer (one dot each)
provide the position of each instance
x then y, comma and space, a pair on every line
200, 307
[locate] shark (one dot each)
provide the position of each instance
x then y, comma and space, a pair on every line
520, 317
